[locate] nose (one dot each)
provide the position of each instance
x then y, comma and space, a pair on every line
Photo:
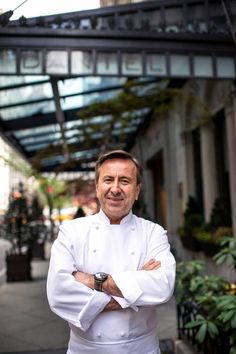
115, 188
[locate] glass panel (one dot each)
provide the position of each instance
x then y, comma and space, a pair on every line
57, 62
14, 80
39, 130
7, 61
31, 62
202, 66
132, 64
107, 63
34, 139
156, 64
36, 147
225, 67
27, 110
70, 86
71, 102
26, 93
179, 65
81, 62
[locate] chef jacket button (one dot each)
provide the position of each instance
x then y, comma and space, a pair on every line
71, 247
132, 252
122, 334
97, 227
94, 251
133, 229
99, 334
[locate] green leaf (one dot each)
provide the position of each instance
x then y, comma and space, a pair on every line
193, 324
233, 321
227, 315
232, 350
212, 329
220, 259
201, 334
226, 301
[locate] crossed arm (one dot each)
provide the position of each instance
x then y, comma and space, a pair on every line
109, 286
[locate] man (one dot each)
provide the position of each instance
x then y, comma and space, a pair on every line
109, 270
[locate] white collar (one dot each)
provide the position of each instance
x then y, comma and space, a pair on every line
103, 217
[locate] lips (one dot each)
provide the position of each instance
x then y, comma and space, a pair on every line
114, 199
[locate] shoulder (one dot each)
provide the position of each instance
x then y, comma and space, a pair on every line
82, 223
148, 225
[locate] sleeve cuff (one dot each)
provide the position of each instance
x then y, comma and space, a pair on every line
128, 286
93, 307
123, 303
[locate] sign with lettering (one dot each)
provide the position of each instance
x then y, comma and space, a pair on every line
115, 63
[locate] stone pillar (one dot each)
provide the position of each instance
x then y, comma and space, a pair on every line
231, 146
208, 169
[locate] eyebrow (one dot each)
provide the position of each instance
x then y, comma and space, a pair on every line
120, 177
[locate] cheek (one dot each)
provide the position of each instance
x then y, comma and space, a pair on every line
101, 190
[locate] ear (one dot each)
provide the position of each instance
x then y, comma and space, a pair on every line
137, 192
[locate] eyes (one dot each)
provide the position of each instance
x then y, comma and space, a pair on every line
123, 180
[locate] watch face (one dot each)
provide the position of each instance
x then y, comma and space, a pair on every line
100, 276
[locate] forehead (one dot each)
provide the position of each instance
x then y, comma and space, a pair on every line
118, 165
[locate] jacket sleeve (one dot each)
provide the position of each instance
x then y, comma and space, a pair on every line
68, 298
144, 288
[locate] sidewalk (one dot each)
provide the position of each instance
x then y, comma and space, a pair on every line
27, 325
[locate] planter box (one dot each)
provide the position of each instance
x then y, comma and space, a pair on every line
38, 250
18, 267
209, 248
190, 243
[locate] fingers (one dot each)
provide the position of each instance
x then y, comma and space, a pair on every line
152, 264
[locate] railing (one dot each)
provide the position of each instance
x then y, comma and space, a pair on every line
187, 312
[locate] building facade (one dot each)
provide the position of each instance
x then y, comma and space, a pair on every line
12, 172
190, 152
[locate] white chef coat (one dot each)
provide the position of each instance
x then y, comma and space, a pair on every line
91, 244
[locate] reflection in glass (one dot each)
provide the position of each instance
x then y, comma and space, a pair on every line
81, 62
57, 62
179, 65
7, 61
225, 67
132, 64
107, 63
202, 66
31, 62
156, 64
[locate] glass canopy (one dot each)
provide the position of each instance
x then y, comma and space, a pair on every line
39, 118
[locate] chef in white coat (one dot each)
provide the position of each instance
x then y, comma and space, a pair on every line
108, 271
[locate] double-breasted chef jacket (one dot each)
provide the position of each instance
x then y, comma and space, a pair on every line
91, 244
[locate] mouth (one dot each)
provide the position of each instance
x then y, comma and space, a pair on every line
115, 200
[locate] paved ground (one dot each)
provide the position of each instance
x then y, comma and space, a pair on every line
27, 326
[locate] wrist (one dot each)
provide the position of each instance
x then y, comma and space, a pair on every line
99, 279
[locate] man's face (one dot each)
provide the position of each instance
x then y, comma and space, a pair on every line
117, 188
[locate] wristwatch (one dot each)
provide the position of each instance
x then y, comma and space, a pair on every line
99, 278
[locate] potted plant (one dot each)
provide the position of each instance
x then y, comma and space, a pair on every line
24, 227
207, 243
16, 230
206, 304
193, 219
37, 229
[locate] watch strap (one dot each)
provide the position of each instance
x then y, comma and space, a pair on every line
98, 285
